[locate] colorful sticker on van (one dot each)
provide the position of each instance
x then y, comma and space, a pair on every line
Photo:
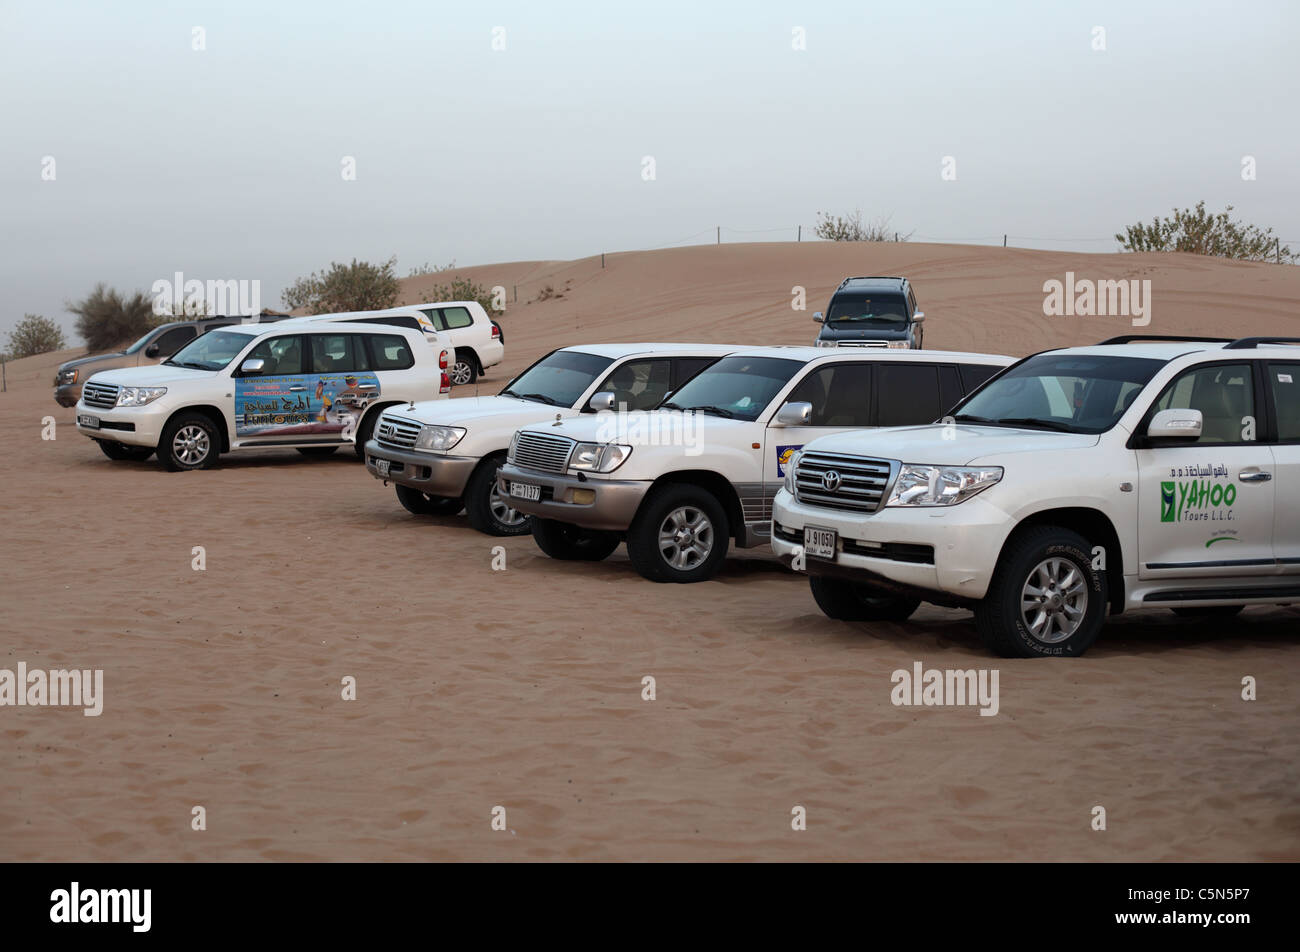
303, 405
783, 454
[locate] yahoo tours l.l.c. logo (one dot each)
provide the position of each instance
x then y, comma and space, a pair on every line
1196, 500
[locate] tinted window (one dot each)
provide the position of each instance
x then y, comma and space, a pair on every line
840, 395
1285, 381
1225, 395
205, 327
949, 387
972, 375
908, 394
456, 317
739, 387
391, 352
283, 355
397, 320
337, 353
639, 384
174, 340
688, 367
884, 311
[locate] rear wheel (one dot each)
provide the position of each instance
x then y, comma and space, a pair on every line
120, 451
189, 441
464, 370
423, 504
485, 507
570, 543
317, 450
857, 601
680, 535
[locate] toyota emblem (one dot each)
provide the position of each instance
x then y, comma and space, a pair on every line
830, 480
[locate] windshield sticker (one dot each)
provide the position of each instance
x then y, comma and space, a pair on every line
783, 454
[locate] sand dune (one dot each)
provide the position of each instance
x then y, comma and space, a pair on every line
522, 688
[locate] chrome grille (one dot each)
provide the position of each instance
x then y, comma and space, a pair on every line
397, 434
857, 483
550, 454
101, 396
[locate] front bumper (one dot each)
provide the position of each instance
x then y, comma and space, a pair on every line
965, 540
134, 426
67, 394
612, 505
428, 472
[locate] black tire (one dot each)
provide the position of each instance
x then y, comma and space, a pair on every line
696, 556
1209, 612
120, 451
365, 430
421, 503
1041, 554
317, 450
857, 601
189, 441
486, 510
465, 370
570, 543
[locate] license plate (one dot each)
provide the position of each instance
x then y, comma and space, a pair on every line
525, 491
382, 466
819, 543
88, 421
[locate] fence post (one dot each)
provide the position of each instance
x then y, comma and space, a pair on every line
516, 294
4, 376
1277, 244
719, 234
602, 261
1004, 241
799, 237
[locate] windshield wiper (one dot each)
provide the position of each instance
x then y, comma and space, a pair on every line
716, 411
540, 398
1035, 422
971, 418
669, 406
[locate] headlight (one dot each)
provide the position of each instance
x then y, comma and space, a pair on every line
921, 485
138, 396
66, 377
791, 463
599, 457
826, 343
897, 345
510, 451
438, 437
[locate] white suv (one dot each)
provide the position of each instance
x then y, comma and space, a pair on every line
682, 481
444, 455
475, 336
313, 387
410, 317
1138, 473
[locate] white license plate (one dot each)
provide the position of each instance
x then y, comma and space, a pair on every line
525, 491
88, 421
382, 466
819, 543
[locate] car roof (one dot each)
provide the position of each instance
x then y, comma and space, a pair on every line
1158, 350
408, 307
674, 347
809, 354
344, 315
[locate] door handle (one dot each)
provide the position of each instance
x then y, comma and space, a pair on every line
297, 389
1255, 477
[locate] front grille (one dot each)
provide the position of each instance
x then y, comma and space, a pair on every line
101, 396
397, 434
857, 483
550, 454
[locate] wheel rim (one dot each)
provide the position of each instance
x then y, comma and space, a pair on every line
501, 511
460, 373
685, 538
1054, 600
191, 444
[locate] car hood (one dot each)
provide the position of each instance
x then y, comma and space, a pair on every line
496, 411
949, 444
120, 356
152, 375
862, 332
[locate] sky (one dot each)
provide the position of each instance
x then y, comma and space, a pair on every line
485, 132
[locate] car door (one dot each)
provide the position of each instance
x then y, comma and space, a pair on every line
1282, 388
1205, 506
275, 405
344, 383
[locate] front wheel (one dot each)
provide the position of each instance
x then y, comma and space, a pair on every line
120, 451
189, 441
570, 543
1045, 599
423, 504
857, 601
680, 535
485, 507
464, 371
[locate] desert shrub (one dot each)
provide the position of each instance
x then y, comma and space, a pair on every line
108, 319
359, 286
34, 335
463, 289
851, 227
1204, 233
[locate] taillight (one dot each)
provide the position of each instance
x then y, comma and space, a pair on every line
442, 361
496, 331
446, 384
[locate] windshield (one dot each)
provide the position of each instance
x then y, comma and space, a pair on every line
212, 351
140, 343
559, 379
1075, 393
880, 311
739, 387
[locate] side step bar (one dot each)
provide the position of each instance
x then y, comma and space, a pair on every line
1286, 592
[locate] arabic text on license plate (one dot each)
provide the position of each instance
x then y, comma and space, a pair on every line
89, 422
382, 466
525, 491
819, 543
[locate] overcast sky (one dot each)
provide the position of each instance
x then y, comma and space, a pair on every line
226, 162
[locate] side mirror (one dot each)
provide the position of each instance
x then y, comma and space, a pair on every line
918, 317
817, 316
254, 365
151, 350
794, 414
602, 401
1175, 425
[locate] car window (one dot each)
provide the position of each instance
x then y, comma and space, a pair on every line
1225, 395
174, 340
337, 353
640, 384
949, 387
840, 395
972, 375
884, 311
395, 320
908, 394
391, 352
457, 317
1285, 381
211, 351
739, 387
558, 379
688, 367
282, 355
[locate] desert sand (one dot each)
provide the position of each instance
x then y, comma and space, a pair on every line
522, 688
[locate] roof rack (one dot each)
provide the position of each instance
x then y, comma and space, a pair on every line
1130, 338
871, 277
1249, 343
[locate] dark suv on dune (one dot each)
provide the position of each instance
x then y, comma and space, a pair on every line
871, 312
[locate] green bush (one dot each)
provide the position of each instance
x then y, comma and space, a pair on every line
359, 286
107, 319
35, 335
463, 289
852, 228
1199, 232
